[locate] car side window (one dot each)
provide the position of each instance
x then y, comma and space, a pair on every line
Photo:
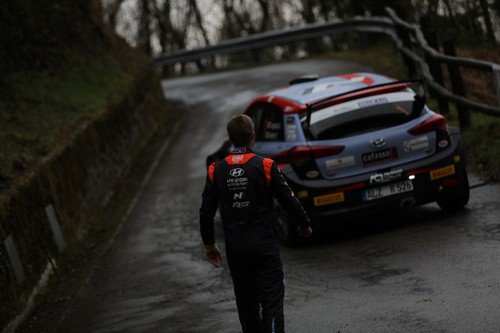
255, 112
268, 122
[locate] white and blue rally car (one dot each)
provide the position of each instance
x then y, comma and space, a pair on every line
357, 143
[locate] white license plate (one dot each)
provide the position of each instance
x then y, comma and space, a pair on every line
388, 190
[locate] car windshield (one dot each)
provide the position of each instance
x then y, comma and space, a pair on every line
360, 116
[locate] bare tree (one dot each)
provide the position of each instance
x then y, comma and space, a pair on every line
265, 10
144, 31
193, 5
179, 24
111, 9
451, 15
487, 22
338, 8
164, 24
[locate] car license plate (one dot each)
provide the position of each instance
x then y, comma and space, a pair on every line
388, 190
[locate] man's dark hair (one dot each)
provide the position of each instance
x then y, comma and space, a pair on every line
240, 130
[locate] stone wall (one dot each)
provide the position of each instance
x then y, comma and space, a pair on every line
78, 181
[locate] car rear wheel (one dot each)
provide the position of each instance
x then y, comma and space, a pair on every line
455, 198
284, 228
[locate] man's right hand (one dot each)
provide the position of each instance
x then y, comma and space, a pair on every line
305, 232
213, 254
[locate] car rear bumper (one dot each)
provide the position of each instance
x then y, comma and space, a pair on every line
429, 177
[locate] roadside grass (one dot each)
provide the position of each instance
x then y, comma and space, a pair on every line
482, 144
40, 110
482, 140
382, 57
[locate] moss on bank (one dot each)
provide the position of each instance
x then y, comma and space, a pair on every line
45, 108
60, 67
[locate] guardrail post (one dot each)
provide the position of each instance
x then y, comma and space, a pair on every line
496, 78
435, 68
457, 84
15, 260
56, 228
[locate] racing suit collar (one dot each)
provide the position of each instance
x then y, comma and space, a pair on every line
241, 150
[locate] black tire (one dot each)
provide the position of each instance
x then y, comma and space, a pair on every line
284, 229
454, 199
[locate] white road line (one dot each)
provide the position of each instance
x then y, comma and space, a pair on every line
158, 157
30, 304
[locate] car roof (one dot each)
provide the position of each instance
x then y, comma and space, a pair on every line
307, 92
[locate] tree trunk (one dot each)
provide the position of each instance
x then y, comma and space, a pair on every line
449, 8
163, 18
307, 11
487, 22
199, 20
264, 7
144, 33
325, 7
339, 12
432, 8
112, 10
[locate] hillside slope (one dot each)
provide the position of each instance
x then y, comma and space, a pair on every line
78, 107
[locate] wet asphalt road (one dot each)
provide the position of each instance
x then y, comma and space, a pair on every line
417, 270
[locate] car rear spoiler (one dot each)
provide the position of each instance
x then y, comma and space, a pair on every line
418, 105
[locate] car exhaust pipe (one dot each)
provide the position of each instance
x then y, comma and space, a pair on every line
408, 202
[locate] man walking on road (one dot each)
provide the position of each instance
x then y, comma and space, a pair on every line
244, 184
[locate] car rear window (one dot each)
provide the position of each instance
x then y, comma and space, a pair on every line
361, 116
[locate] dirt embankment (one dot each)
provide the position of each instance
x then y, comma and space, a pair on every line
79, 107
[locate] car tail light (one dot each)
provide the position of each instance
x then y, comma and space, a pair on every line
305, 153
433, 123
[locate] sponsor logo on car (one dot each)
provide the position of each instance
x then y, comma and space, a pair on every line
237, 172
340, 162
421, 142
385, 177
373, 101
291, 132
442, 172
378, 156
338, 109
329, 199
378, 143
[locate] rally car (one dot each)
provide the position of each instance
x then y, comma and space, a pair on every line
357, 143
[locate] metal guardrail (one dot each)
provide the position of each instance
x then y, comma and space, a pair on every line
414, 47
280, 37
423, 49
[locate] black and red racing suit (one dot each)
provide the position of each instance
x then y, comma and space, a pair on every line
244, 184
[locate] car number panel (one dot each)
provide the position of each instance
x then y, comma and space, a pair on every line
388, 190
